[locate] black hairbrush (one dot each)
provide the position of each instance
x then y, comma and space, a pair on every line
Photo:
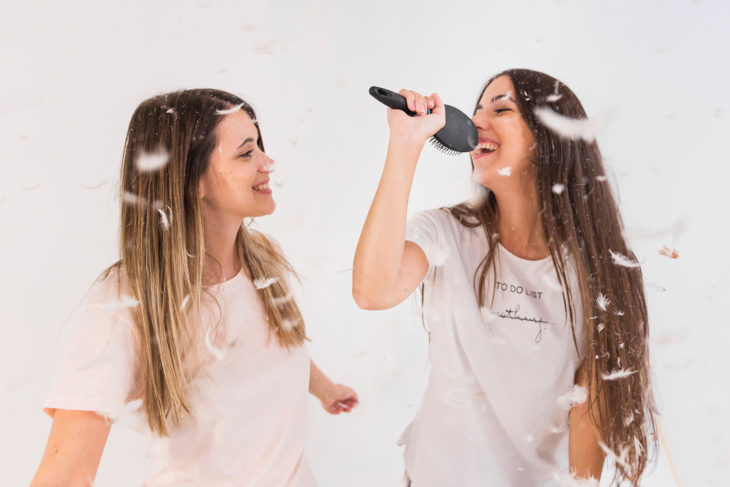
457, 136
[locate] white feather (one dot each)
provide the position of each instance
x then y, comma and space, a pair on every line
569, 128
619, 374
229, 110
602, 302
123, 303
151, 161
622, 260
264, 282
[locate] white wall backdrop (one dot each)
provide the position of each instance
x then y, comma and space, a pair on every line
73, 72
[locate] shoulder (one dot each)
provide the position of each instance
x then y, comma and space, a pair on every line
444, 221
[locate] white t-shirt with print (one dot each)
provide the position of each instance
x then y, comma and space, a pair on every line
249, 408
492, 414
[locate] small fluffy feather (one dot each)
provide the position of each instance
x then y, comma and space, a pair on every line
123, 302
618, 374
622, 260
164, 221
264, 282
229, 110
577, 395
602, 302
151, 161
570, 128
505, 171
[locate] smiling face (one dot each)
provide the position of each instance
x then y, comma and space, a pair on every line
235, 185
506, 146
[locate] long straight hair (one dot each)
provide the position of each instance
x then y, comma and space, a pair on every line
162, 246
584, 219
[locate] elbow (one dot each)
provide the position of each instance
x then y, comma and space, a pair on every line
366, 300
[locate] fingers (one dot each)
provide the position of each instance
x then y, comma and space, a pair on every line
438, 104
417, 102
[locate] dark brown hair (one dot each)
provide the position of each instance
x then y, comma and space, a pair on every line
584, 220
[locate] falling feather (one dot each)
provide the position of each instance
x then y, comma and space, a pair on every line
488, 316
151, 161
123, 303
229, 110
505, 171
602, 302
619, 374
164, 221
132, 199
283, 300
620, 459
567, 127
558, 188
622, 260
577, 395
264, 282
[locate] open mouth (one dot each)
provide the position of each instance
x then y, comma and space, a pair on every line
262, 187
485, 147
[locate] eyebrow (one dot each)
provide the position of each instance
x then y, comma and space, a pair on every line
498, 97
250, 139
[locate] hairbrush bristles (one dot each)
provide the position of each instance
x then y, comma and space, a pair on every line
438, 145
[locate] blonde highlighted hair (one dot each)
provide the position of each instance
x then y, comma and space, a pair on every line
162, 246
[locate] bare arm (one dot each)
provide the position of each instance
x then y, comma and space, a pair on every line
586, 456
335, 398
387, 269
74, 449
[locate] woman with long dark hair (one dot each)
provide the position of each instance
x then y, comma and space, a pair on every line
533, 300
194, 330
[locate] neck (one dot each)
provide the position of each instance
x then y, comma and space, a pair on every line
222, 261
519, 225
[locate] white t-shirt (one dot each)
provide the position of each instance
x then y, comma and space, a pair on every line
249, 408
492, 414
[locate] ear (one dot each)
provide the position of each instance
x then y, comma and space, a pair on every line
201, 189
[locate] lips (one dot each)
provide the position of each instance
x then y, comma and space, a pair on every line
262, 187
485, 147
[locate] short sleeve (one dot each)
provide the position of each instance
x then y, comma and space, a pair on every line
423, 230
97, 368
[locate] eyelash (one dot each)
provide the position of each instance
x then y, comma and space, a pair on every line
500, 110
246, 155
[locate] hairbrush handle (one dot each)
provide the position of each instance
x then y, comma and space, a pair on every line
392, 100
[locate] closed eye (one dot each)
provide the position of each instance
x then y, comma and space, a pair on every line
246, 155
500, 110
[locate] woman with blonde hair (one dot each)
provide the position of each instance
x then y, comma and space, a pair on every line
194, 330
533, 299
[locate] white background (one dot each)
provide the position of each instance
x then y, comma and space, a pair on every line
73, 72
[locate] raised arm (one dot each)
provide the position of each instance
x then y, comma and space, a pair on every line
387, 269
73, 451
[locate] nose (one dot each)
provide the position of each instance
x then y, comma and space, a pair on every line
267, 164
481, 120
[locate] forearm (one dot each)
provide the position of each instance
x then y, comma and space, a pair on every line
380, 247
585, 454
320, 385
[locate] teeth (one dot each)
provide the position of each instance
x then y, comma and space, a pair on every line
487, 146
261, 187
